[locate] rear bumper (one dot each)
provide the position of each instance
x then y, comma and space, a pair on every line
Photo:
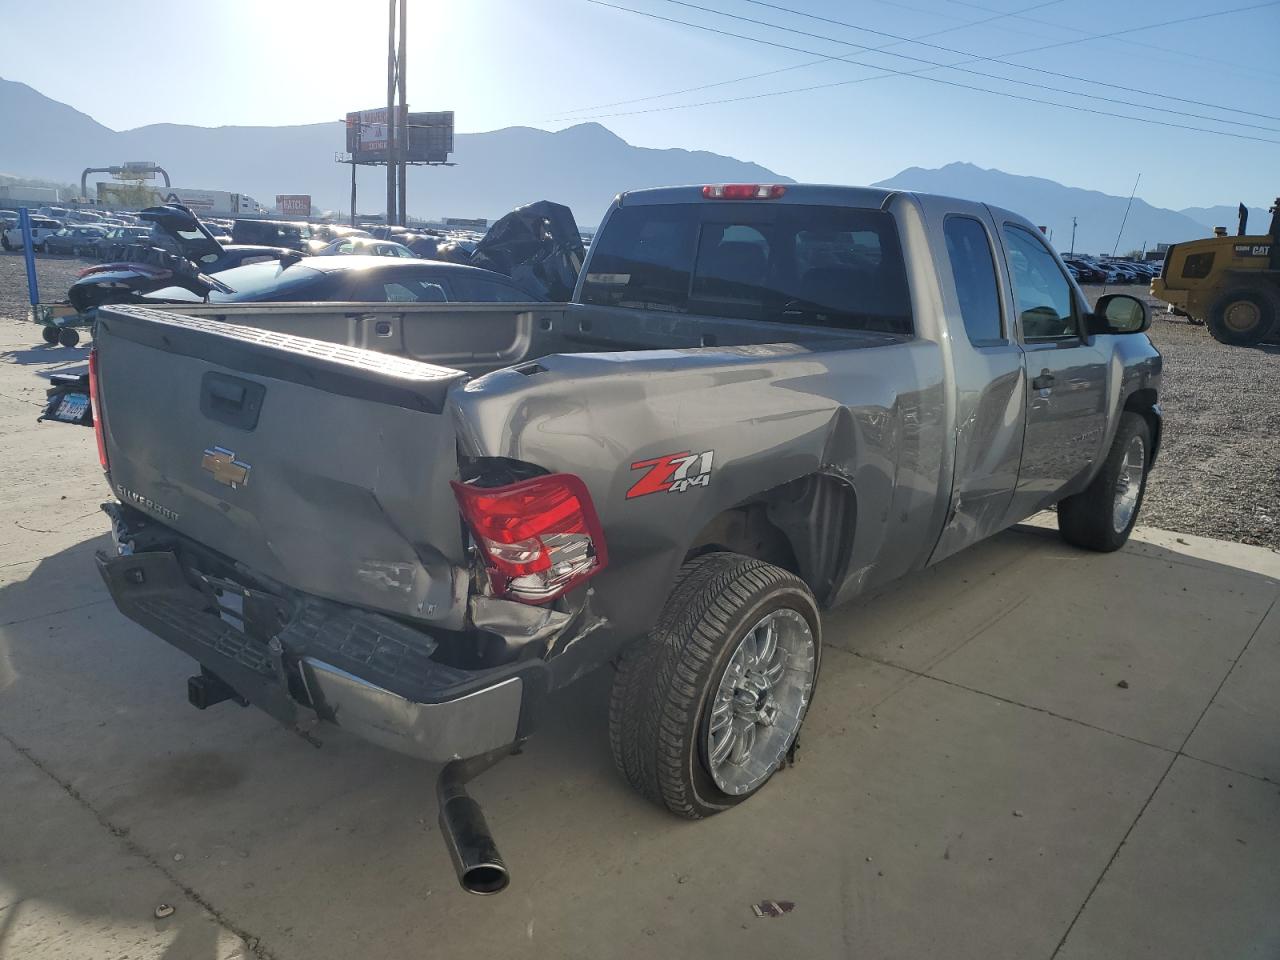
366, 673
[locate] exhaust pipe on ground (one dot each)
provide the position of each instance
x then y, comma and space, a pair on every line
475, 856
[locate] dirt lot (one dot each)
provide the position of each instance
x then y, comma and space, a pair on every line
1219, 470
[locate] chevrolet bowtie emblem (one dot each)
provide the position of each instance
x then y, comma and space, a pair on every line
224, 466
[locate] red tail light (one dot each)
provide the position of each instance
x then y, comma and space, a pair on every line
743, 191
540, 537
95, 408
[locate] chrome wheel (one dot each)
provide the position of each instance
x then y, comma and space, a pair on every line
760, 702
1129, 484
1242, 316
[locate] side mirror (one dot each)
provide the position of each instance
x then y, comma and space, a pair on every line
1119, 313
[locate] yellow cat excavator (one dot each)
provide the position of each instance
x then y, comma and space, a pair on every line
1231, 284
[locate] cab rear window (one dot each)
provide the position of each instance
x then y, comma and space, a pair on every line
781, 263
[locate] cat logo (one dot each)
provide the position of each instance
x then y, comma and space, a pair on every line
225, 468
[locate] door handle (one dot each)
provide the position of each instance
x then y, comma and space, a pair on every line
1042, 382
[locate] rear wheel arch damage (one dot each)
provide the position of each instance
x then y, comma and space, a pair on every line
805, 526
1143, 402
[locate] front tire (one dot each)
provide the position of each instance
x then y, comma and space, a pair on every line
1243, 316
707, 707
1102, 516
68, 337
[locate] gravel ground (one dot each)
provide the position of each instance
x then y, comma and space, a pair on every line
1219, 469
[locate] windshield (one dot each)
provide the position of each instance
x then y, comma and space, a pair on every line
783, 263
259, 281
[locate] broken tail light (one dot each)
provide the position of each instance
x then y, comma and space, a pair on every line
743, 191
95, 408
539, 537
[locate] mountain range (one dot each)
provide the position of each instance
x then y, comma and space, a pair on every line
582, 166
1099, 216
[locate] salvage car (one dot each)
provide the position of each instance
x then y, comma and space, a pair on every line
416, 520
275, 233
119, 237
178, 250
74, 239
356, 279
362, 246
42, 228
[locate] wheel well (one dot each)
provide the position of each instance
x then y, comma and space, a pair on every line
1143, 402
805, 526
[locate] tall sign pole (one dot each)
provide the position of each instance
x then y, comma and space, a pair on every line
402, 143
392, 206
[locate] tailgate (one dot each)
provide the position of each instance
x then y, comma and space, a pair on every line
321, 466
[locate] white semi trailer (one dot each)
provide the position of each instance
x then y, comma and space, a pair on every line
206, 203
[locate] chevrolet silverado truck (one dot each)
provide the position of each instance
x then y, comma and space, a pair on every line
416, 520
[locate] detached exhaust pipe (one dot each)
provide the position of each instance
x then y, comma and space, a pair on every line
475, 856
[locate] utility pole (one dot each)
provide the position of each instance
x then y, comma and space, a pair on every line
353, 192
392, 206
402, 142
1073, 237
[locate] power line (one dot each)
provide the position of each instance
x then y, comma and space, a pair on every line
889, 71
1020, 15
801, 66
957, 66
973, 58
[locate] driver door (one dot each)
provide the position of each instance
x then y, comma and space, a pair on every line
1066, 376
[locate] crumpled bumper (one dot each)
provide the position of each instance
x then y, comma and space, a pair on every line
364, 672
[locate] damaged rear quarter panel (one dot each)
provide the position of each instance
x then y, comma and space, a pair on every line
770, 413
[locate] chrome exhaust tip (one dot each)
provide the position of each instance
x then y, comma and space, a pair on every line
476, 860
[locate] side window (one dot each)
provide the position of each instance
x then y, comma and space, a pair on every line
977, 287
1041, 290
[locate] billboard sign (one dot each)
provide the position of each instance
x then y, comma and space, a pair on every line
294, 204
367, 136
135, 170
430, 136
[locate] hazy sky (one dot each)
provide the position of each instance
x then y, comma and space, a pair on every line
542, 63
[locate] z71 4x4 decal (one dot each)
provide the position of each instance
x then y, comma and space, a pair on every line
673, 473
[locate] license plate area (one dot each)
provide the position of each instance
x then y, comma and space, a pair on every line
69, 408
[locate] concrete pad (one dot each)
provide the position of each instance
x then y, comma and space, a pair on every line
1241, 728
1197, 878
93, 897
322, 852
1098, 620
336, 853
67, 580
922, 618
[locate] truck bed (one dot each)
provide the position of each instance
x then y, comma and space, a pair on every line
477, 338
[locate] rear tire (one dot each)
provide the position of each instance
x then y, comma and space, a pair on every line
706, 708
1243, 316
1102, 516
50, 335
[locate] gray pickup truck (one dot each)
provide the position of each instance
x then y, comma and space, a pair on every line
416, 520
